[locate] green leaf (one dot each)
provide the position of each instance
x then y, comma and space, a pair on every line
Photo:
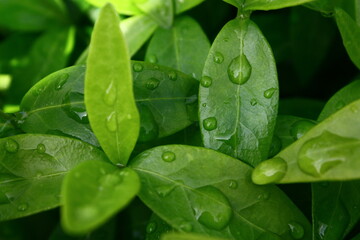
183, 47
271, 5
187, 236
161, 11
329, 151
110, 102
238, 96
156, 227
237, 3
53, 48
30, 15
340, 99
35, 165
204, 191
126, 7
93, 192
184, 5
350, 33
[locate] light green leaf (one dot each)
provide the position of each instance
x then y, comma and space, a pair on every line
239, 91
183, 5
161, 11
35, 165
93, 192
271, 5
126, 7
350, 33
187, 236
110, 102
183, 47
329, 151
203, 191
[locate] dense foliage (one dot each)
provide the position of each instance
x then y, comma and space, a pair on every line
174, 119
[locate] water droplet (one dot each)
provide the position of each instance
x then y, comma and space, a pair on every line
218, 57
168, 156
62, 80
206, 81
320, 154
151, 227
23, 207
149, 129
339, 105
110, 94
87, 213
239, 70
226, 39
253, 102
275, 146
263, 196
165, 190
41, 148
11, 146
152, 59
296, 230
211, 207
152, 83
185, 226
111, 123
210, 123
138, 67
299, 128
172, 75
354, 109
269, 171
233, 184
75, 108
269, 93
204, 105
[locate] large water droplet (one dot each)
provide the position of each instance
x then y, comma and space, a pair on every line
269, 93
168, 156
172, 75
151, 227
152, 59
152, 83
211, 207
111, 123
239, 70
11, 146
206, 81
296, 230
62, 80
74, 107
299, 128
269, 171
138, 67
23, 207
218, 57
320, 154
210, 123
41, 148
110, 94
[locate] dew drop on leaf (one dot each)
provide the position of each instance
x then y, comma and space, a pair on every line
74, 107
172, 75
152, 59
41, 148
239, 70
152, 83
62, 80
23, 207
206, 81
269, 171
263, 196
253, 102
138, 67
87, 213
210, 123
296, 230
218, 57
185, 226
299, 128
111, 123
149, 129
151, 227
269, 93
165, 190
211, 207
233, 184
168, 156
110, 94
11, 146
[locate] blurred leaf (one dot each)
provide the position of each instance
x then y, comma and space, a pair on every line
161, 11
271, 5
301, 107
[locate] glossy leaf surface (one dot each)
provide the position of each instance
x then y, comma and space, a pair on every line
326, 152
238, 96
271, 5
35, 165
183, 5
161, 11
202, 191
109, 97
126, 7
93, 192
350, 33
183, 47
187, 236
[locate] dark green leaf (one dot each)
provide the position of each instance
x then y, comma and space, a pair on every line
93, 192
126, 7
350, 33
273, 4
156, 227
238, 97
203, 191
329, 151
32, 168
183, 47
187, 236
161, 11
183, 5
110, 102
301, 107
